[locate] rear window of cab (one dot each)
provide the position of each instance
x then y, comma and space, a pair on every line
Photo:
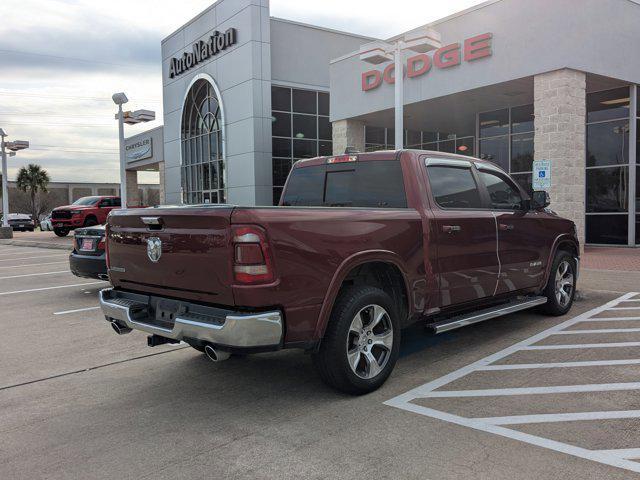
367, 184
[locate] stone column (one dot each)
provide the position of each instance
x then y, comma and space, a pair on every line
348, 133
133, 195
560, 117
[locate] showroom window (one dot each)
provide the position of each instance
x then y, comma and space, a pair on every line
379, 138
506, 139
608, 167
201, 143
300, 129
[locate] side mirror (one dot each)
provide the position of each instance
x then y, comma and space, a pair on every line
540, 199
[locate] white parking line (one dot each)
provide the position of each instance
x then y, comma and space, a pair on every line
560, 417
34, 264
582, 346
609, 319
586, 363
76, 310
33, 258
626, 308
50, 288
624, 452
5, 253
616, 458
34, 274
599, 330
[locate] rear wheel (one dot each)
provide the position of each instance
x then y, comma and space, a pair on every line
362, 341
561, 286
61, 232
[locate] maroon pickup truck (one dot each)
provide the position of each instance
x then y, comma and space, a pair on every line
360, 247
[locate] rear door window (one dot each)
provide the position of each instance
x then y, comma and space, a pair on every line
454, 187
374, 184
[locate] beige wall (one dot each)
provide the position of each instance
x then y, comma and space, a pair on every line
560, 113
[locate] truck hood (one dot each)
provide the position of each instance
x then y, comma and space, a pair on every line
73, 207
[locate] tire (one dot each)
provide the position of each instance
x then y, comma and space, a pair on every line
345, 343
61, 232
561, 286
90, 222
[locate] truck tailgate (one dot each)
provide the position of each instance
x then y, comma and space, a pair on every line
195, 259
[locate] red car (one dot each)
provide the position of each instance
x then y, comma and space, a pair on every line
84, 212
360, 247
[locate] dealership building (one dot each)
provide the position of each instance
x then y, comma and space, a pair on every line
245, 95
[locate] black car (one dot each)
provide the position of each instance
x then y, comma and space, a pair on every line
88, 258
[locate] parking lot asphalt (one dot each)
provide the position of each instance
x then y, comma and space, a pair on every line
79, 402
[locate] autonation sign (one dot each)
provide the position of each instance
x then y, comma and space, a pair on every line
203, 50
448, 56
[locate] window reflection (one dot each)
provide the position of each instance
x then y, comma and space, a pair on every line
494, 123
607, 189
608, 143
522, 152
496, 150
608, 105
522, 119
607, 229
300, 129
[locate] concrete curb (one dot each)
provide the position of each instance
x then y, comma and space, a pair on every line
28, 243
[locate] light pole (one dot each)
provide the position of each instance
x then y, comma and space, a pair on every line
420, 40
14, 147
130, 118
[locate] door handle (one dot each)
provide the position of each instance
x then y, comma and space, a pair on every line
451, 228
506, 226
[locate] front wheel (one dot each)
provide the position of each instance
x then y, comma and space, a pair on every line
561, 286
61, 232
361, 343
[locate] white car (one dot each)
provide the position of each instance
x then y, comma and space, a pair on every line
21, 221
45, 224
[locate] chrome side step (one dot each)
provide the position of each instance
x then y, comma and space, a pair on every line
481, 315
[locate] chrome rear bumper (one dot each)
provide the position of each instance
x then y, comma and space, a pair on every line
180, 320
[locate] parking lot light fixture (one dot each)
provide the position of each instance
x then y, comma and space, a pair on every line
130, 118
420, 40
13, 147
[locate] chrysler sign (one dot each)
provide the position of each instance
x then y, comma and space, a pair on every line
202, 50
448, 56
139, 150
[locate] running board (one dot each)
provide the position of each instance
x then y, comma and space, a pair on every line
486, 314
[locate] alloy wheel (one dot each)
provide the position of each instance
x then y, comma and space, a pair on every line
369, 341
564, 283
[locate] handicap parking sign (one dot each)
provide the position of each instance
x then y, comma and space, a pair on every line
541, 175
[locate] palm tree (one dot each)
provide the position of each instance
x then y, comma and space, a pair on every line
33, 179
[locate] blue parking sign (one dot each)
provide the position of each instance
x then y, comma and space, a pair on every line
541, 178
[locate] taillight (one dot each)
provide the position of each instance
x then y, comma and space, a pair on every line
101, 244
106, 246
252, 261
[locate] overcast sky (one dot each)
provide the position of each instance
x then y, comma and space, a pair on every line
62, 59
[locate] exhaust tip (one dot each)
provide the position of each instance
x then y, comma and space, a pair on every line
215, 355
120, 329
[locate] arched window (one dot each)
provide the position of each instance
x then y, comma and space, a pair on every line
201, 139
